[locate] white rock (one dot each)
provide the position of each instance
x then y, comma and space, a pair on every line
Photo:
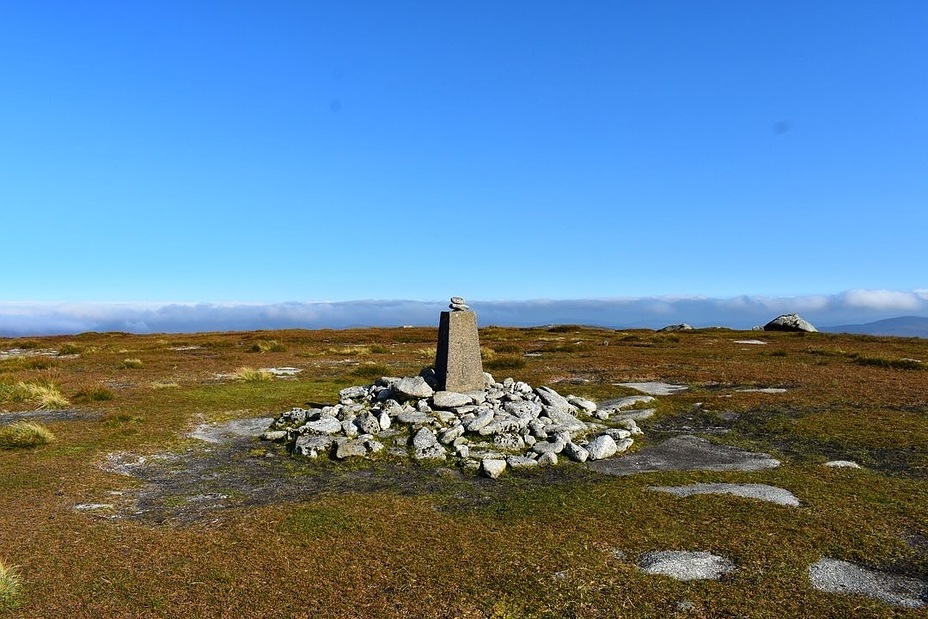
683, 565
845, 464
576, 452
492, 467
601, 447
413, 387
329, 425
450, 399
548, 459
521, 462
480, 421
588, 406
424, 438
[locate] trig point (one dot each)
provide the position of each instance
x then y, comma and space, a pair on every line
457, 361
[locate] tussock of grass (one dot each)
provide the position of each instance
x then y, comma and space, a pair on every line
371, 371
45, 395
251, 375
262, 346
24, 434
10, 586
504, 363
429, 353
69, 349
132, 364
487, 353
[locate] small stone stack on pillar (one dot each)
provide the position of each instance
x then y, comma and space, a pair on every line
457, 361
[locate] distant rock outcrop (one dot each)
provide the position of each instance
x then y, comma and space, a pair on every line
789, 322
680, 327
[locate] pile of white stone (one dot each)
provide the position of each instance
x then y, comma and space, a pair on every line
506, 425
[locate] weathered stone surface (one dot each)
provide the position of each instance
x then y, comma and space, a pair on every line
677, 327
683, 565
842, 464
834, 576
450, 399
329, 425
524, 408
480, 421
686, 453
458, 365
424, 438
412, 417
789, 322
351, 393
508, 441
587, 406
413, 387
521, 462
547, 459
620, 403
367, 423
274, 435
312, 445
554, 400
575, 452
492, 467
762, 492
601, 447
433, 451
449, 435
348, 448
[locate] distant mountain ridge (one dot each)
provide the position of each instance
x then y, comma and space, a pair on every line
903, 326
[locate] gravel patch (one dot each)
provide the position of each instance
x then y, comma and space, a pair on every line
684, 565
835, 576
686, 453
762, 492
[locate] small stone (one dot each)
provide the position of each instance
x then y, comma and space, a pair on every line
462, 451
329, 425
367, 423
424, 438
576, 452
521, 462
430, 452
482, 420
412, 417
413, 387
623, 445
588, 406
842, 464
348, 448
492, 467
547, 459
352, 393
450, 399
274, 435
384, 420
601, 447
349, 429
458, 300
508, 441
312, 445
449, 435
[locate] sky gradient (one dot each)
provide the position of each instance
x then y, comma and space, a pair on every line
223, 152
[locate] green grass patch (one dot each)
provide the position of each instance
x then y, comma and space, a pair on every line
895, 364
504, 363
370, 371
10, 587
24, 435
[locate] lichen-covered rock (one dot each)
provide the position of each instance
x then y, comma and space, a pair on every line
789, 322
601, 447
492, 467
413, 387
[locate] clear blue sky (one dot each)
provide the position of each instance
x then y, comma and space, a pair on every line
261, 152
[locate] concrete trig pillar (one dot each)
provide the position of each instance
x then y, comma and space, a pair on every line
458, 366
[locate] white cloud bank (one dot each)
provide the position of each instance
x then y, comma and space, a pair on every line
850, 307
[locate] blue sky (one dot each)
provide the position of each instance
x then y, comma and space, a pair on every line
218, 152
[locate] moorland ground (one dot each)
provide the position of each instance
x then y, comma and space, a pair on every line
295, 538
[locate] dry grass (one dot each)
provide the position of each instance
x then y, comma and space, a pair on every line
251, 375
24, 435
558, 544
10, 587
44, 395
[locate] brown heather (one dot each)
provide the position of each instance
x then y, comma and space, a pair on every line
527, 545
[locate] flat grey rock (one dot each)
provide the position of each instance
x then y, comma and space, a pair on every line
763, 492
685, 453
655, 388
221, 432
842, 464
834, 576
683, 565
620, 403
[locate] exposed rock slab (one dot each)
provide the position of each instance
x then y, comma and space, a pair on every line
221, 432
762, 492
835, 576
686, 453
789, 322
684, 565
655, 388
